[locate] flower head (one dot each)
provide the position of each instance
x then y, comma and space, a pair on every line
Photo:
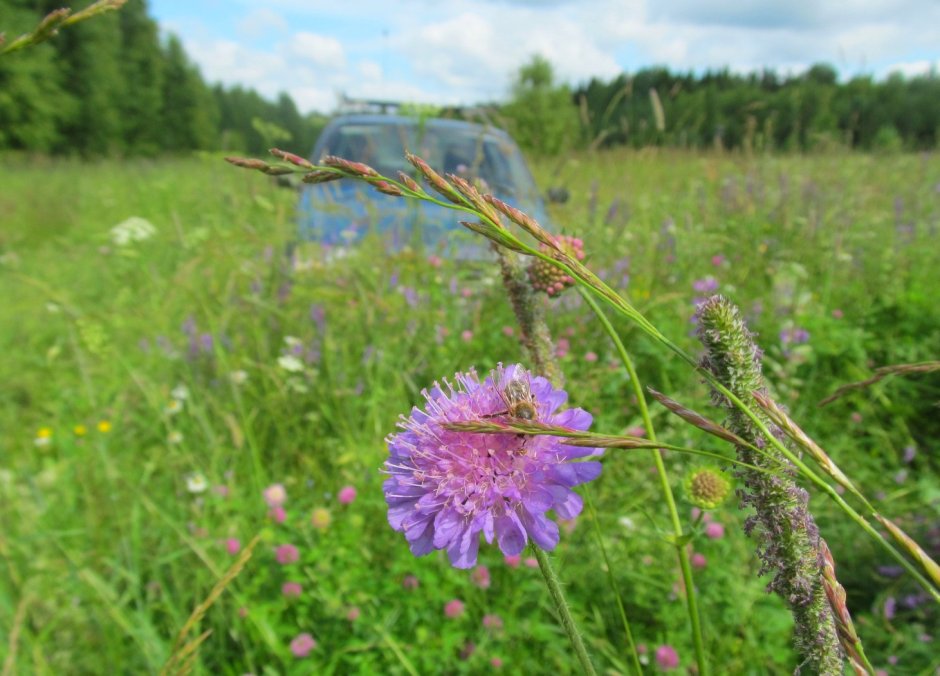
292, 590
320, 518
286, 554
453, 608
447, 487
481, 577
706, 487
302, 645
715, 530
667, 657
196, 482
347, 494
546, 277
275, 495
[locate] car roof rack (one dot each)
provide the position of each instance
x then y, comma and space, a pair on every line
349, 105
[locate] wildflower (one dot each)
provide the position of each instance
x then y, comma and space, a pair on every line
104, 427
667, 657
699, 560
513, 560
286, 554
837, 314
233, 546
133, 229
180, 392
546, 277
221, 490
508, 331
410, 582
466, 336
43, 437
346, 495
467, 650
890, 607
302, 645
453, 608
718, 260
706, 487
856, 417
275, 495
530, 562
435, 261
627, 523
80, 430
715, 530
173, 407
320, 518
590, 356
238, 377
496, 663
910, 452
353, 613
196, 482
290, 363
794, 336
174, 437
277, 514
706, 284
481, 577
292, 590
447, 487
492, 622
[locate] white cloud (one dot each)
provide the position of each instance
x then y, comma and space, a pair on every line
467, 51
321, 50
261, 21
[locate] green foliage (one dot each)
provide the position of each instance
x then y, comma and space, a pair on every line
539, 114
109, 87
94, 330
761, 111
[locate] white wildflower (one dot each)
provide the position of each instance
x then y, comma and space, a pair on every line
196, 482
133, 229
290, 363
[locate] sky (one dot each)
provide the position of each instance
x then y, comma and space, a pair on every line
461, 52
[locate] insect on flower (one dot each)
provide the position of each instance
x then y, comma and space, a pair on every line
516, 394
447, 487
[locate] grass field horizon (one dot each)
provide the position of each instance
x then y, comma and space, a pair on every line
157, 383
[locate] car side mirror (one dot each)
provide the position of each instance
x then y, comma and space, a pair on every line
558, 195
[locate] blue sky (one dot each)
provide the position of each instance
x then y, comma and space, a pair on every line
463, 51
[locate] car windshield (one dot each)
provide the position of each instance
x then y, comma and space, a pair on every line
467, 152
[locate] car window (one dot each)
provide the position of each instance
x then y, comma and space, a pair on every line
466, 152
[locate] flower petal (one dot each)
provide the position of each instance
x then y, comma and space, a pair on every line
510, 534
543, 531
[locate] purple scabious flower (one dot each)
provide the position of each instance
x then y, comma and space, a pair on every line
447, 487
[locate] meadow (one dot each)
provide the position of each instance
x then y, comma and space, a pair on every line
160, 387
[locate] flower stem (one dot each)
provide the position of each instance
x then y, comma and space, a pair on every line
681, 553
558, 596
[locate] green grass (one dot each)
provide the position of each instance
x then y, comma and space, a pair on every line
106, 553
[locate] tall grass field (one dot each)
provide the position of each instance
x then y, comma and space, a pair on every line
179, 376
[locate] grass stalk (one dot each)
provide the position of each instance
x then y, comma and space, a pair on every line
681, 552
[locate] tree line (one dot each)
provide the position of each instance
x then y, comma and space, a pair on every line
756, 112
111, 86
